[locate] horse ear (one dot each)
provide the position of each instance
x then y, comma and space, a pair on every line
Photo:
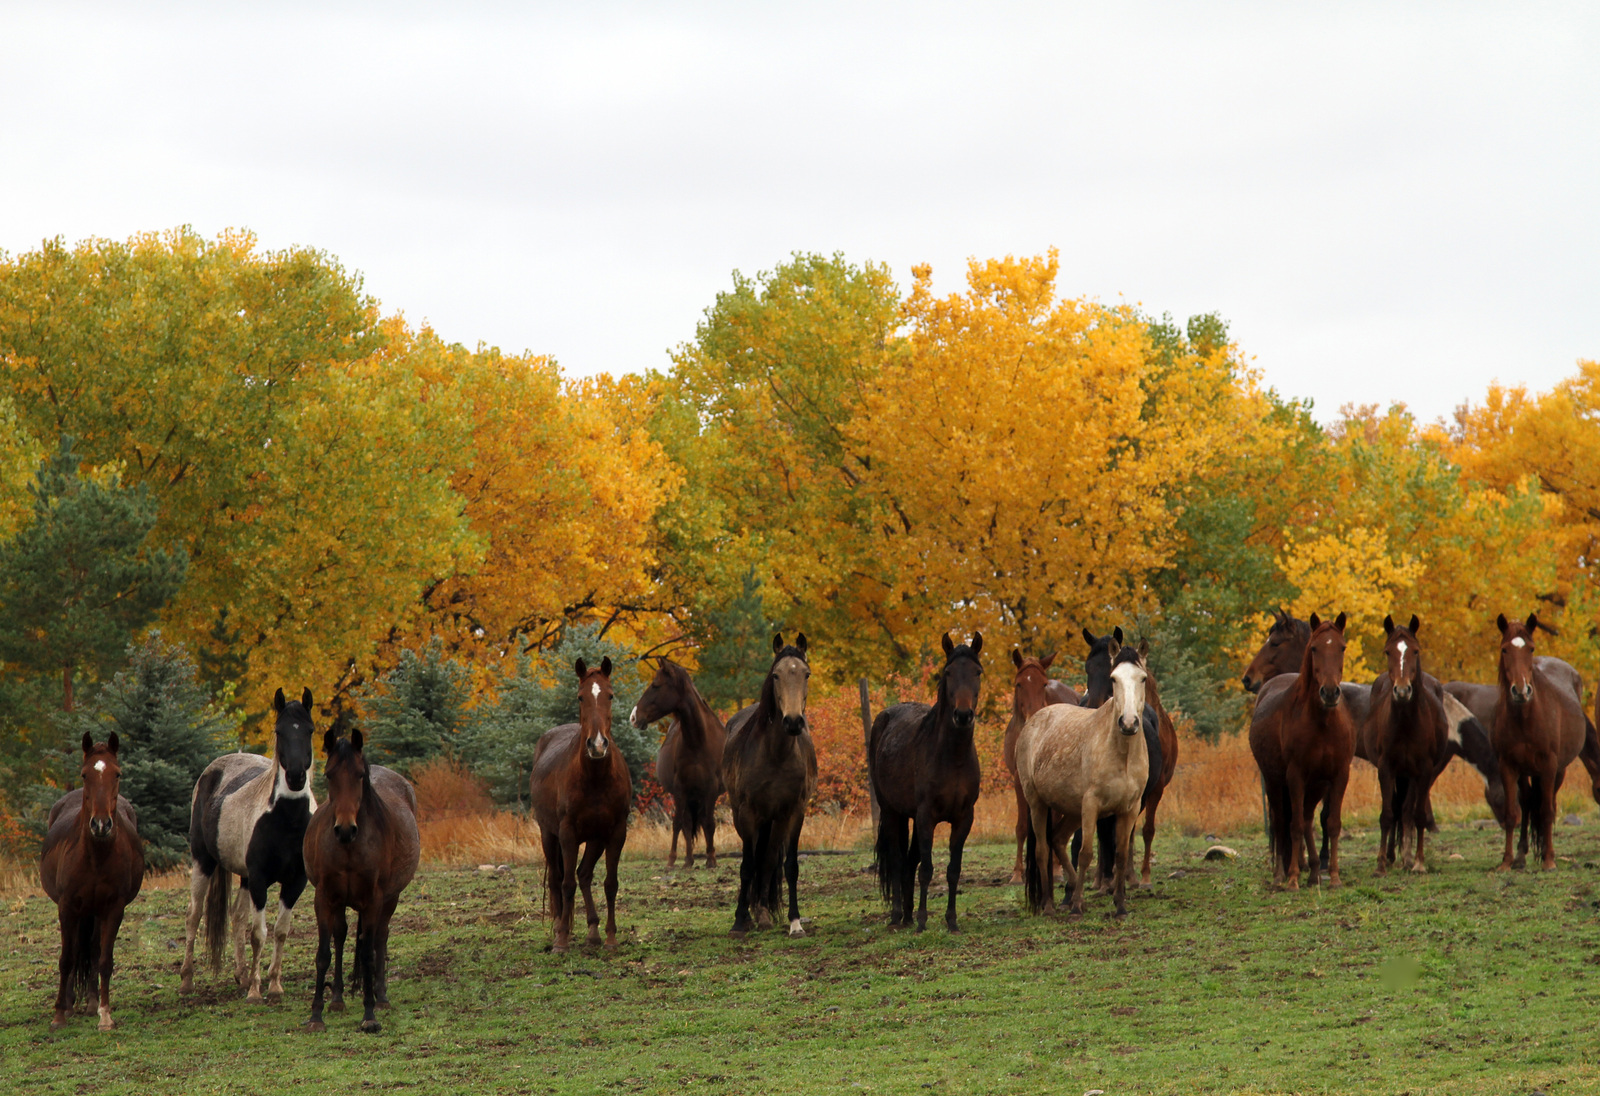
800, 642
1144, 648
278, 701
305, 700
605, 665
113, 743
1016, 657
977, 643
581, 668
1047, 659
1532, 621
356, 740
1416, 625
949, 648
1314, 622
88, 742
1116, 634
1338, 622
1088, 637
330, 739
777, 642
1388, 625
1501, 621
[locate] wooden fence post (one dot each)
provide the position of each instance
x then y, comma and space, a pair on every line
866, 738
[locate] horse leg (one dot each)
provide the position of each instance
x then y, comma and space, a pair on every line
710, 828
69, 960
1022, 828
1278, 818
1508, 780
241, 931
1039, 822
199, 886
1149, 834
1308, 833
1386, 820
383, 950
1296, 795
613, 855
258, 941
108, 924
288, 894
1322, 856
1421, 816
569, 886
922, 837
960, 826
1089, 816
367, 962
591, 854
677, 825
1335, 824
1124, 863
320, 905
907, 894
1528, 793
791, 871
688, 828
1550, 783
747, 875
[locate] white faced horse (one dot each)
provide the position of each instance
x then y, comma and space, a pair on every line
1083, 764
248, 817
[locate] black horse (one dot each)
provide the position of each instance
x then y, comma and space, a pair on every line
924, 770
769, 767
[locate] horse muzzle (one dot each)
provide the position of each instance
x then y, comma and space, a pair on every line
597, 752
1402, 693
963, 718
1129, 727
295, 779
1330, 696
1249, 685
794, 724
100, 828
345, 833
633, 719
1521, 694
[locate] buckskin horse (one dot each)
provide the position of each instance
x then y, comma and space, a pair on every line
1539, 728
248, 817
1032, 689
1081, 764
91, 866
581, 796
1406, 736
769, 767
689, 762
1303, 741
924, 770
361, 850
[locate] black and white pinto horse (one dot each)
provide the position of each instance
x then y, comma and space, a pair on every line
248, 817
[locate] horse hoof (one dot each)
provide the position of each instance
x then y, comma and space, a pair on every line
58, 1023
738, 934
255, 998
369, 1027
336, 1005
274, 995
315, 1027
952, 926
383, 1004
796, 928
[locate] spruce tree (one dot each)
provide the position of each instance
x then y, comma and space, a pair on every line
417, 708
738, 652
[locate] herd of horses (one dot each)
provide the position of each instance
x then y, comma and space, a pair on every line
1084, 767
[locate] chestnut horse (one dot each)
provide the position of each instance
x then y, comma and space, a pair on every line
924, 770
1406, 735
1032, 690
769, 767
248, 817
1082, 764
92, 866
361, 850
689, 763
1539, 728
1303, 741
581, 796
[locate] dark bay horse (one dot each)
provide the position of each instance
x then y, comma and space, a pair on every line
92, 866
924, 770
1406, 735
361, 850
769, 766
689, 762
581, 796
1032, 689
1082, 764
1303, 741
1539, 728
248, 817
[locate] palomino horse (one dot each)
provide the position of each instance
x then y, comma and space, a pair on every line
924, 770
248, 817
1538, 730
92, 866
1303, 741
1032, 690
1406, 735
361, 850
689, 763
581, 795
1083, 764
769, 767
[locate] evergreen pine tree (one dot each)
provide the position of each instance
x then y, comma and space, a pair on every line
417, 708
738, 652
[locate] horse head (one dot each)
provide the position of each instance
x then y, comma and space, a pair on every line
1516, 657
1280, 654
1033, 677
594, 707
292, 747
1103, 650
101, 775
960, 679
1128, 677
1404, 655
787, 682
1323, 662
347, 774
668, 692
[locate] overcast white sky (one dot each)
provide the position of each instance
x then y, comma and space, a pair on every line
1385, 201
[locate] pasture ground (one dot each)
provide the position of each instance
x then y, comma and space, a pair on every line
1455, 982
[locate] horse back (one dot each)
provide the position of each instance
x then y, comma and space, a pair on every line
403, 840
224, 807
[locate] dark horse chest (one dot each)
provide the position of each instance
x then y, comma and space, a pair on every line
275, 852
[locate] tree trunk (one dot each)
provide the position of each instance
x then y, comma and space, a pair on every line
66, 688
866, 739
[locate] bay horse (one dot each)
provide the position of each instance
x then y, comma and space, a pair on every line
1082, 764
1406, 735
91, 866
769, 766
1539, 728
1303, 740
924, 770
689, 762
248, 817
581, 796
1032, 689
361, 850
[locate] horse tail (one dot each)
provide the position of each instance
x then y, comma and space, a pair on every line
890, 859
217, 914
1034, 893
86, 958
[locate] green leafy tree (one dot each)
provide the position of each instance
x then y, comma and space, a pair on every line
418, 708
79, 580
738, 651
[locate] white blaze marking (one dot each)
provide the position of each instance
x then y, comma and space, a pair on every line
595, 690
633, 716
1519, 642
99, 766
1402, 648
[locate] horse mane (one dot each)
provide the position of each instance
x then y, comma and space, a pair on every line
1128, 654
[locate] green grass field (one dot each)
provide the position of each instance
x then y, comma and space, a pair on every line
1456, 982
